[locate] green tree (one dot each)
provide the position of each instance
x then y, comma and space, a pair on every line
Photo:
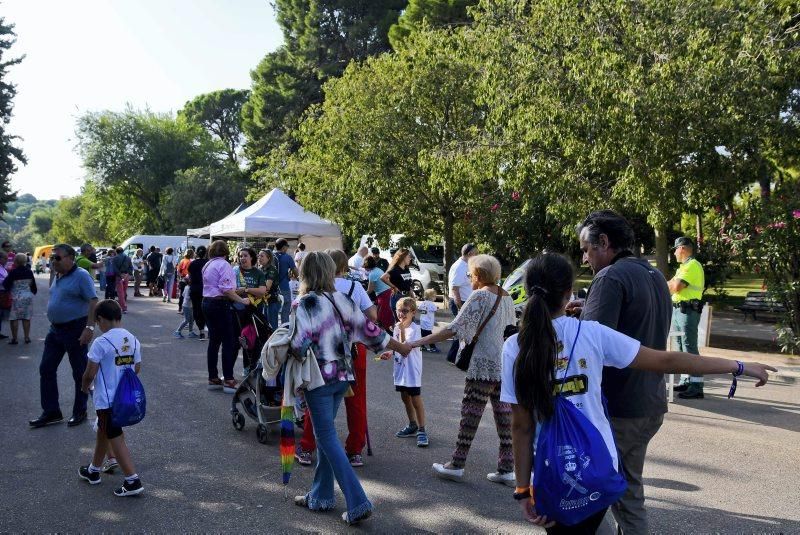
392, 147
321, 37
655, 107
10, 153
137, 154
433, 13
203, 195
220, 113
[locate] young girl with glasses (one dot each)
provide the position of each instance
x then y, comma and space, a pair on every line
408, 372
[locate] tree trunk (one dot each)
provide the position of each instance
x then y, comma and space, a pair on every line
662, 249
764, 181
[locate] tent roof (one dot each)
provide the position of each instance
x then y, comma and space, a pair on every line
202, 232
274, 215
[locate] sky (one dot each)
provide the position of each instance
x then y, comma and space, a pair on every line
95, 55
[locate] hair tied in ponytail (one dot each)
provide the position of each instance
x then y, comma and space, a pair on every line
539, 290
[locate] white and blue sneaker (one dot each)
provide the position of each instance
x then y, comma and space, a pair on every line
407, 431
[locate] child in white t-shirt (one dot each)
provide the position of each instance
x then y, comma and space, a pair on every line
108, 357
408, 372
427, 317
538, 359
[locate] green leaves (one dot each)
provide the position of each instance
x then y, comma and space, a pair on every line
10, 153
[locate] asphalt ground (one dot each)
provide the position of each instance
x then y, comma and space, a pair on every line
716, 466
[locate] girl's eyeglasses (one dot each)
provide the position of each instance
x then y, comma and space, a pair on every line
403, 310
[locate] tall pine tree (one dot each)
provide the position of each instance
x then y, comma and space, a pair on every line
10, 153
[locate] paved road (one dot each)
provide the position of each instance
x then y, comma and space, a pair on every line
716, 466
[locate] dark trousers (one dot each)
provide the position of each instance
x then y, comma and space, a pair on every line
451, 354
221, 332
181, 287
197, 309
586, 527
62, 340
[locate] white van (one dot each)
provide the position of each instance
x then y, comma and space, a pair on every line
427, 266
144, 241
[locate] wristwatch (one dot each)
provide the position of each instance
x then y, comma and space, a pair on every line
90, 327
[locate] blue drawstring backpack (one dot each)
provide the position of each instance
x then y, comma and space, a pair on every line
574, 475
130, 403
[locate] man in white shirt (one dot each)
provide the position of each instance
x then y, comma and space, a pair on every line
460, 287
356, 263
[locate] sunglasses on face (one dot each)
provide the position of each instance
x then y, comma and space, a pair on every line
56, 257
403, 310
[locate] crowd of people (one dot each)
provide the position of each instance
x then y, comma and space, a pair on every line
342, 307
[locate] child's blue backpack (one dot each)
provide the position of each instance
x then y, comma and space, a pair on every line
574, 475
130, 403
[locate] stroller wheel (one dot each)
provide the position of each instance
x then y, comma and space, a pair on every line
238, 421
262, 433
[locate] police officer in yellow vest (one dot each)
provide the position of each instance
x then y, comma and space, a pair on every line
687, 288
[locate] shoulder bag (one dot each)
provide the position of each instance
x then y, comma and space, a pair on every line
464, 356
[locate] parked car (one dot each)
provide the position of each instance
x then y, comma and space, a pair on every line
427, 266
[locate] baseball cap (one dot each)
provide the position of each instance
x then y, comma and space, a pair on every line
375, 250
683, 241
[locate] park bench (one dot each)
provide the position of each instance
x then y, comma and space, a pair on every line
759, 302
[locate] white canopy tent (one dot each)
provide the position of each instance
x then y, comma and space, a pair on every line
202, 232
277, 216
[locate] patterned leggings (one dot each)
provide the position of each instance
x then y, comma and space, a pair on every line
476, 394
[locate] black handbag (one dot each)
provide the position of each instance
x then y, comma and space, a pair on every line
464, 356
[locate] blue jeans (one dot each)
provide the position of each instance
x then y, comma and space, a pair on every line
332, 462
62, 340
272, 311
221, 332
287, 305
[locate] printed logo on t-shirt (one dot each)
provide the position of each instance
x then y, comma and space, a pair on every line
572, 385
123, 360
406, 276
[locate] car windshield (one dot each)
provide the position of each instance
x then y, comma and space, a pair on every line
516, 276
433, 254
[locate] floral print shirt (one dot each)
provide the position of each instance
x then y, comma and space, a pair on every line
317, 326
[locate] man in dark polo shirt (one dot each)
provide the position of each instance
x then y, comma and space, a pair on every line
71, 314
630, 296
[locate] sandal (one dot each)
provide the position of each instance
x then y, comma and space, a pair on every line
13, 342
27, 340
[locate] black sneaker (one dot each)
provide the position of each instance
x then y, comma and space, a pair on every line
92, 477
130, 489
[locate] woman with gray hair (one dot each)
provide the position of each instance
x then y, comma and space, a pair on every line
326, 323
490, 307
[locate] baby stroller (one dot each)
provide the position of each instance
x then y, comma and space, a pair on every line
259, 401
262, 403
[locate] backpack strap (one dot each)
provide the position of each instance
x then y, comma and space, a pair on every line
571, 352
352, 288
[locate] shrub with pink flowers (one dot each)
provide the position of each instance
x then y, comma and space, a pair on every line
765, 235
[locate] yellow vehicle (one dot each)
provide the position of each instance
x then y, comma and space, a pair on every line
515, 286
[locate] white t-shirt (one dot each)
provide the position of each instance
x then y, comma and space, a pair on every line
427, 315
136, 262
408, 370
356, 261
294, 288
112, 362
359, 295
459, 280
597, 346
299, 256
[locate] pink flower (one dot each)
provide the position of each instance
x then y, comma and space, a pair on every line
796, 214
779, 224
495, 206
515, 195
759, 229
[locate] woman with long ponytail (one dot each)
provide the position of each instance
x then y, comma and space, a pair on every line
535, 363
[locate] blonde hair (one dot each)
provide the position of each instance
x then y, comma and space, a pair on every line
317, 272
218, 248
486, 268
430, 294
408, 302
340, 259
